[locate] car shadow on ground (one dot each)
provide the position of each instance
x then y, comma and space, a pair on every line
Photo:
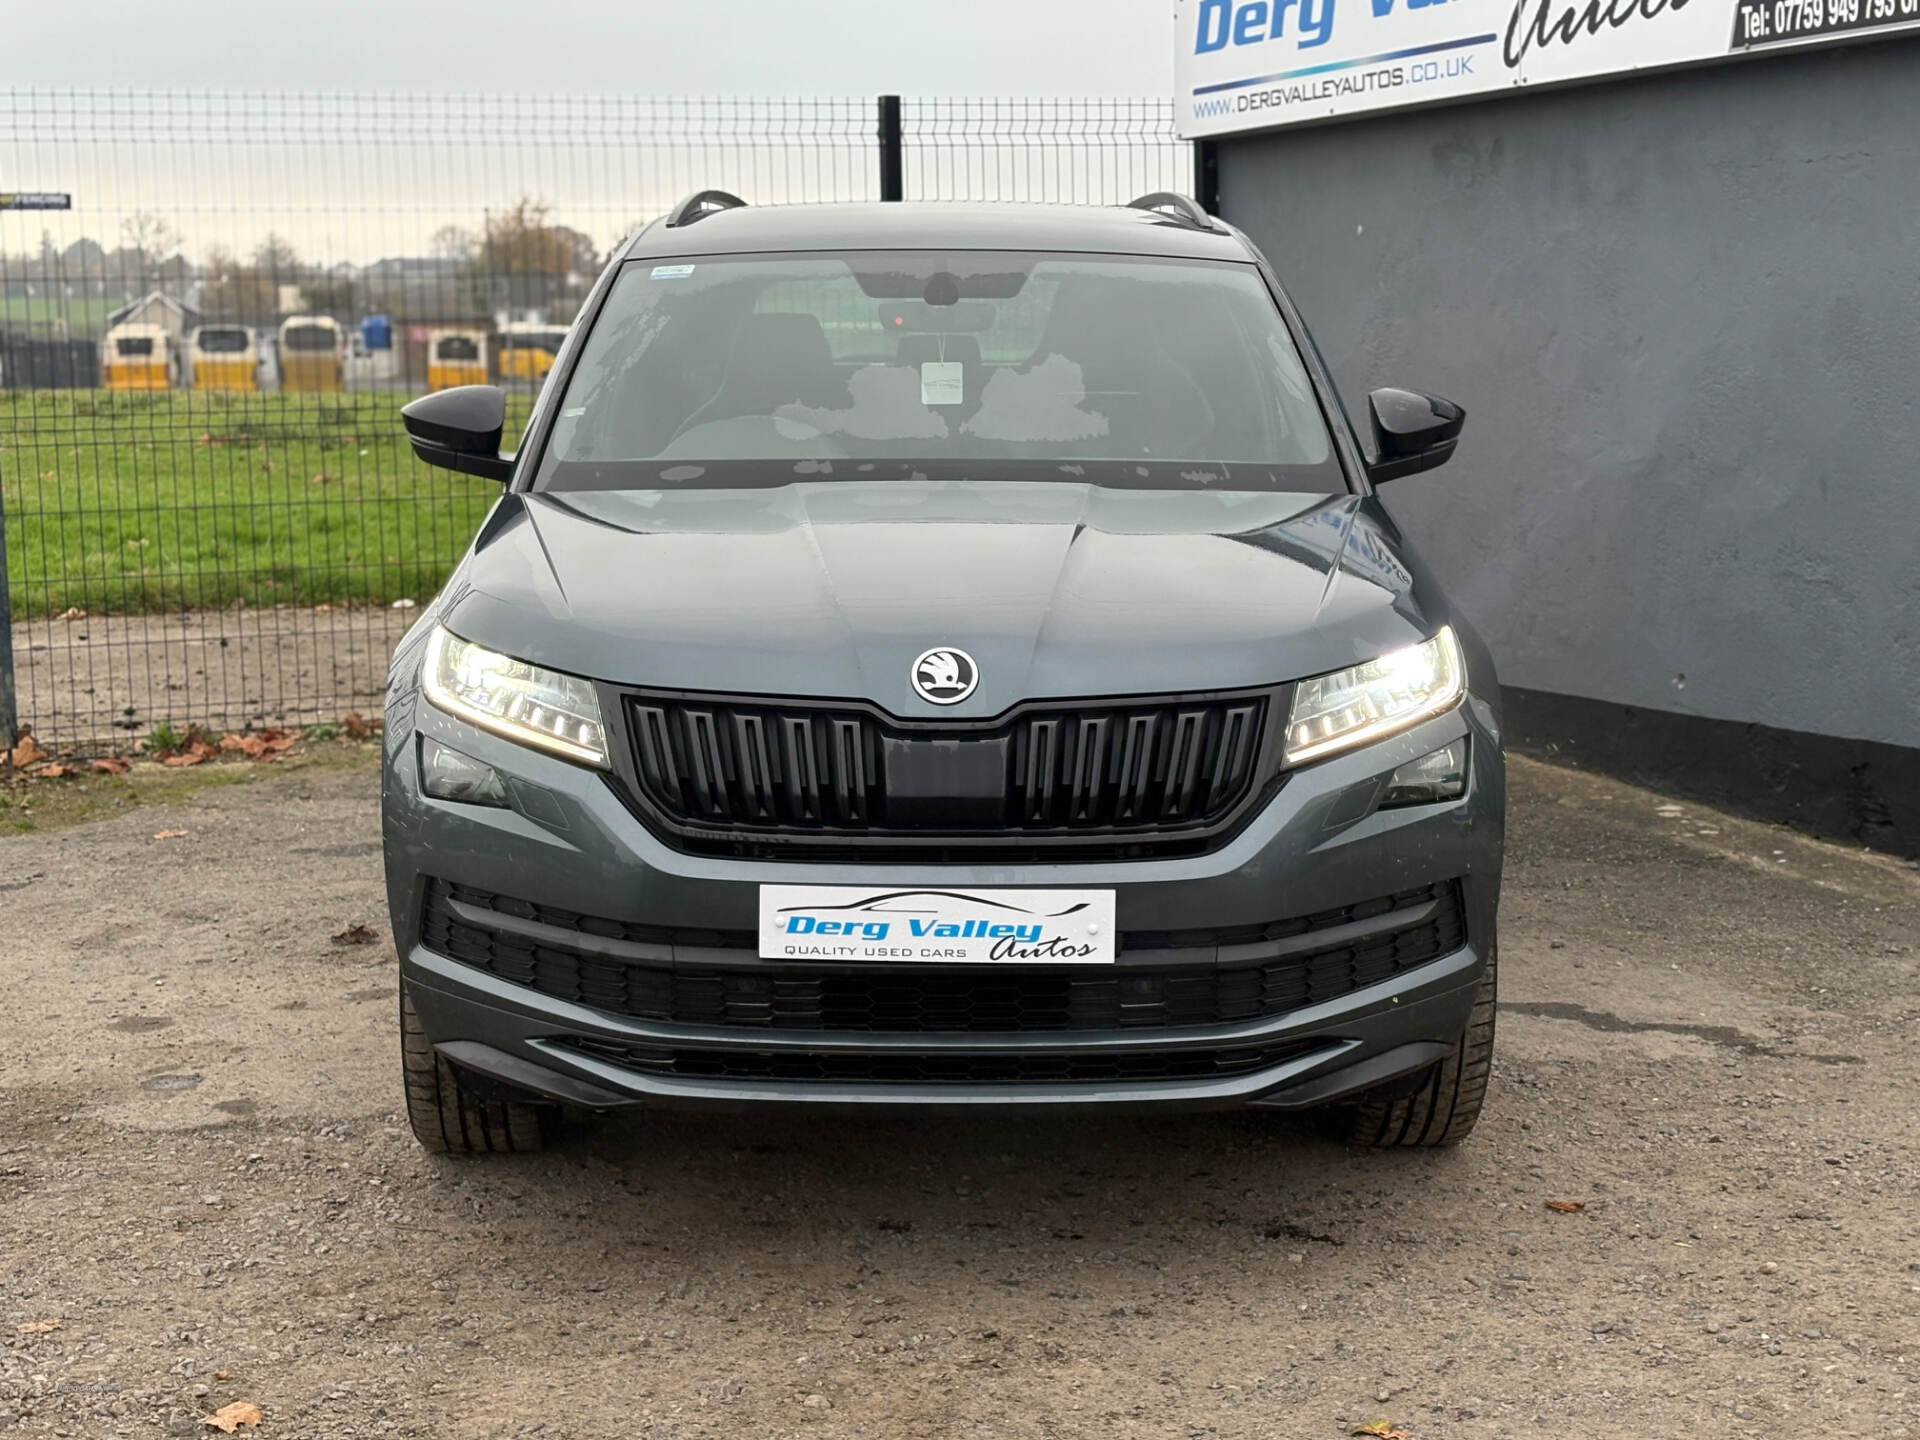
972, 1184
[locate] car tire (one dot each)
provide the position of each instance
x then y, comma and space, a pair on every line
455, 1116
1438, 1107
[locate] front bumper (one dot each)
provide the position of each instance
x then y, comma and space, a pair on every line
569, 843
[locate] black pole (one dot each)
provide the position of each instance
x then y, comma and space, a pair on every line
892, 173
1206, 175
9, 710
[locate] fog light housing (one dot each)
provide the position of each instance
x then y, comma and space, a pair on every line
1438, 775
446, 774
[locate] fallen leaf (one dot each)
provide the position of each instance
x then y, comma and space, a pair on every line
1383, 1431
356, 726
403, 604
1566, 1207
25, 752
72, 612
231, 1417
223, 1374
168, 834
357, 934
280, 740
111, 766
37, 1327
189, 757
56, 772
323, 609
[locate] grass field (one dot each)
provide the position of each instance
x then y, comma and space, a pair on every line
121, 503
83, 315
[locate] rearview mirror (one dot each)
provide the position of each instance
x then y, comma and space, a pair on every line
1411, 432
459, 429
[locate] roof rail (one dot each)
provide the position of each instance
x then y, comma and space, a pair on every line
1183, 208
701, 204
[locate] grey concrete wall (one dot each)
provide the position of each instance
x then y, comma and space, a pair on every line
1683, 313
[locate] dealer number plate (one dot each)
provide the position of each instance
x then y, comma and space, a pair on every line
967, 927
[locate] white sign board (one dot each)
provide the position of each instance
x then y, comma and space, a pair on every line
843, 924
1257, 64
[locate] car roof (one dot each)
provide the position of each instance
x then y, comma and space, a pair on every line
938, 225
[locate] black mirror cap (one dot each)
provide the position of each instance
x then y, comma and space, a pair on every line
459, 429
1411, 432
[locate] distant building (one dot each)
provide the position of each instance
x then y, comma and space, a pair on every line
155, 308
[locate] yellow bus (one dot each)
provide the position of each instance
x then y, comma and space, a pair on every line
311, 355
224, 357
137, 356
456, 357
527, 349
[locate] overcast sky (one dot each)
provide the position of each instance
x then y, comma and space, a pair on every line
691, 47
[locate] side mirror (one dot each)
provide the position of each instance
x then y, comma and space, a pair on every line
1411, 433
459, 429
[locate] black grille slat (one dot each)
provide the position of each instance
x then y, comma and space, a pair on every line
1234, 752
1136, 767
1039, 758
849, 770
755, 765
956, 999
706, 772
800, 771
1085, 780
1184, 755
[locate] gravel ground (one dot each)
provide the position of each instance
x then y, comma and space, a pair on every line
1707, 1038
104, 678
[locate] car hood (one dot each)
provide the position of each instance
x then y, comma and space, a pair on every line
835, 588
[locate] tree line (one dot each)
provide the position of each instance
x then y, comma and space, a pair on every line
518, 259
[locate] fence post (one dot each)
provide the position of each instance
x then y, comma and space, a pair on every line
1206, 175
9, 706
892, 172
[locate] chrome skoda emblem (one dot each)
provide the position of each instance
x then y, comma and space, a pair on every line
945, 676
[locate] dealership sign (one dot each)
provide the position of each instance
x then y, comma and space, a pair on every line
1254, 64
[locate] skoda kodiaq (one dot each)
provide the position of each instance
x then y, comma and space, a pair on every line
940, 654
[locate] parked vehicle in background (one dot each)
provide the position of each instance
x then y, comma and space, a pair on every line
527, 351
942, 655
312, 353
456, 357
224, 357
138, 356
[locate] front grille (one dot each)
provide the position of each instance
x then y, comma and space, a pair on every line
1107, 777
714, 979
1213, 1062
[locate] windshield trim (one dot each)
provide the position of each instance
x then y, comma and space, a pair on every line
535, 439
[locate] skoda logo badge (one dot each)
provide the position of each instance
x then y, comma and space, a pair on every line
945, 676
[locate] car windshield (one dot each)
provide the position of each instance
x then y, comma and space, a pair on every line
310, 337
459, 347
1137, 371
222, 342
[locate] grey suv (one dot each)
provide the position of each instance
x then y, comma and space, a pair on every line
941, 655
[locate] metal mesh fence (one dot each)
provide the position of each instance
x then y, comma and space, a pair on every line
210, 513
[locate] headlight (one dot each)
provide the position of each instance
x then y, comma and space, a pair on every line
523, 702
1370, 702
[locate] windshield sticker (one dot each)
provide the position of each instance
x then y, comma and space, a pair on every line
942, 382
672, 272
